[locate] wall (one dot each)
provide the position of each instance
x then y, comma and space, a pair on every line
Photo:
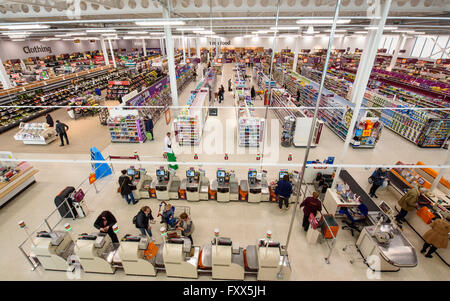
14, 50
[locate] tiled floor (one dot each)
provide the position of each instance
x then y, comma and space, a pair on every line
243, 222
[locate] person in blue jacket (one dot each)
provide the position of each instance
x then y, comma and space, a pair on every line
378, 177
148, 121
283, 191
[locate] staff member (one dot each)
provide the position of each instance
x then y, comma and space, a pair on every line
168, 144
312, 205
61, 129
186, 226
143, 218
125, 187
105, 222
436, 237
284, 191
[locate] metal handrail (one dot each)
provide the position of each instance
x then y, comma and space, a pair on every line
333, 240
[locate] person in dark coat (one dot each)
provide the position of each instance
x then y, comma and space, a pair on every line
378, 177
312, 205
143, 219
125, 187
149, 125
298, 95
283, 192
229, 85
105, 222
253, 92
221, 92
49, 120
61, 129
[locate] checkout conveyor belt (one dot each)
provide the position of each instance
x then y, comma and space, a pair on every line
355, 188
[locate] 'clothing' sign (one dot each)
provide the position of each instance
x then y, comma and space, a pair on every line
37, 49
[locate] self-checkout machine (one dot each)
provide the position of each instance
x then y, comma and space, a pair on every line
133, 252
226, 186
52, 249
142, 180
96, 252
204, 185
191, 184
224, 258
167, 184
178, 256
293, 178
256, 186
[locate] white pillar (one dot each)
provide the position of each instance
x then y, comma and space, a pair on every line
400, 43
170, 58
297, 47
197, 45
183, 46
105, 51
162, 47
363, 73
112, 53
4, 77
188, 45
144, 47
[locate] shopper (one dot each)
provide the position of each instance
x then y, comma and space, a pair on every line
378, 178
436, 237
168, 144
49, 120
312, 205
126, 187
283, 192
253, 93
408, 202
221, 93
142, 221
61, 130
148, 121
167, 216
98, 92
229, 85
298, 95
186, 226
105, 222
194, 74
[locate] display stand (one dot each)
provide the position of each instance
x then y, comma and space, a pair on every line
126, 126
14, 178
101, 170
250, 128
35, 133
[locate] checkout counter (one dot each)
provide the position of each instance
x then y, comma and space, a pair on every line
394, 249
255, 189
166, 185
178, 257
227, 260
53, 249
438, 203
96, 252
225, 187
196, 185
135, 261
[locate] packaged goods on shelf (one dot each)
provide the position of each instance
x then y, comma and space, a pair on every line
127, 128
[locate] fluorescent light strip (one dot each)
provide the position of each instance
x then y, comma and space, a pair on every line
50, 39
190, 29
12, 33
285, 28
337, 30
109, 35
160, 23
157, 33
18, 40
204, 32
137, 32
323, 21
385, 28
31, 26
100, 30
361, 32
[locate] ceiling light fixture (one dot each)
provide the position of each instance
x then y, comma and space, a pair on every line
157, 33
323, 21
205, 32
361, 32
18, 40
385, 28
285, 28
100, 30
31, 26
160, 23
137, 32
190, 29
336, 30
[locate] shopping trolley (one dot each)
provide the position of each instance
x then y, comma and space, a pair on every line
171, 223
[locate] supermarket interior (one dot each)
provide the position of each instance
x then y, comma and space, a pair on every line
236, 140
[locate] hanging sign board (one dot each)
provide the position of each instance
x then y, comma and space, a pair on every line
92, 178
167, 115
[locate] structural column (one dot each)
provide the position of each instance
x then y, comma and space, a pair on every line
162, 48
297, 46
170, 57
363, 73
188, 46
197, 45
105, 51
4, 78
183, 45
112, 53
400, 43
144, 47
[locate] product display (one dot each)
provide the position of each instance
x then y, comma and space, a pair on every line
129, 128
35, 133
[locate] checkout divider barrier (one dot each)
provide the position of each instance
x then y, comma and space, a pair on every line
49, 225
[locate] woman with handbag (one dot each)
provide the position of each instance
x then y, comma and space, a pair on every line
125, 187
436, 237
378, 177
312, 204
